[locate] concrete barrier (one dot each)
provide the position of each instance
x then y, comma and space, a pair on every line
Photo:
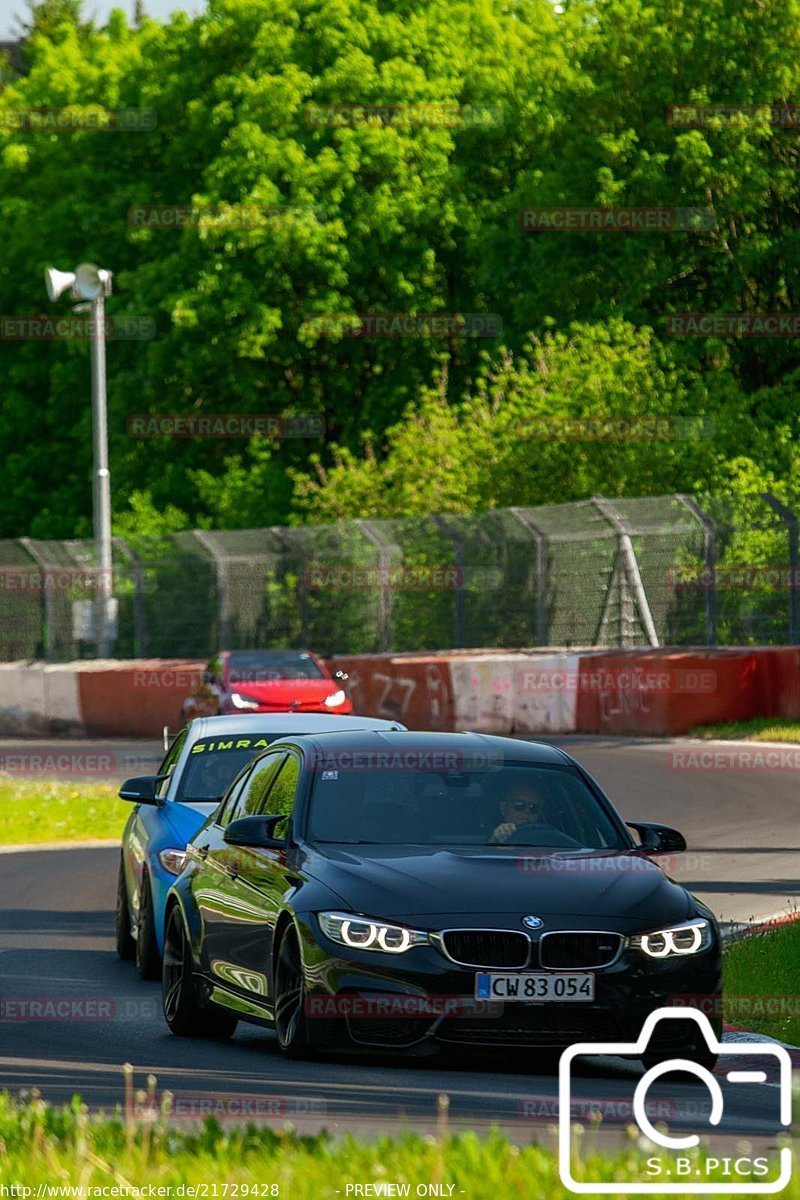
414, 689
135, 699
646, 692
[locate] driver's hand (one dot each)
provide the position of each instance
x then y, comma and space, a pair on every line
503, 832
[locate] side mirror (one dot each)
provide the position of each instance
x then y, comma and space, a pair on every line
658, 839
341, 676
255, 832
141, 789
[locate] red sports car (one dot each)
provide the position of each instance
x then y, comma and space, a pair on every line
245, 681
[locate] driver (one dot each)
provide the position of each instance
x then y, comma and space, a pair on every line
522, 806
214, 780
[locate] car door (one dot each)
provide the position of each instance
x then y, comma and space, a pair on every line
225, 914
259, 879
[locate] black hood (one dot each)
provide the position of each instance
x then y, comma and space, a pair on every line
405, 882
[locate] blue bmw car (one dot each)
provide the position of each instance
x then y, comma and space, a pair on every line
173, 805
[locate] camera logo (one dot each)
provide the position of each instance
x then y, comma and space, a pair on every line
744, 1175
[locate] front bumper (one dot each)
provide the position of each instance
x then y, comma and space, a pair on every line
341, 710
367, 1001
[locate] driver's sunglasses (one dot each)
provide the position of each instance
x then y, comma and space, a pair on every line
530, 806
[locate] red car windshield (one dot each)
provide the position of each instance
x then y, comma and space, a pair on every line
266, 666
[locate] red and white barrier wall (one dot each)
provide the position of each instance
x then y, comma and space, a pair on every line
98, 698
655, 692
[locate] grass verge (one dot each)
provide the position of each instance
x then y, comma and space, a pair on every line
760, 729
769, 958
47, 811
62, 1148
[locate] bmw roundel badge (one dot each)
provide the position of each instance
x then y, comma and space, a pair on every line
533, 922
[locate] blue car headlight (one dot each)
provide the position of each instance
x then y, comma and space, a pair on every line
172, 860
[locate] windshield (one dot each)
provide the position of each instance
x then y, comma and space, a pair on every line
550, 807
265, 666
214, 763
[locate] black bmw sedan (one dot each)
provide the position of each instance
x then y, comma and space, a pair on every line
402, 891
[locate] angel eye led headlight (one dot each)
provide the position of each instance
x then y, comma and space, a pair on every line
691, 937
364, 933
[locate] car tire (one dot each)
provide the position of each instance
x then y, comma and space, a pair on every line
183, 1014
148, 960
126, 946
289, 992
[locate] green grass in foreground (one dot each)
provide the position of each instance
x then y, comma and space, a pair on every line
762, 970
760, 729
46, 811
63, 1147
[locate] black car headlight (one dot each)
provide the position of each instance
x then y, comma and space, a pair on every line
690, 937
365, 933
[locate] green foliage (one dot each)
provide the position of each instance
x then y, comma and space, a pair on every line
400, 214
37, 1141
49, 811
598, 407
770, 955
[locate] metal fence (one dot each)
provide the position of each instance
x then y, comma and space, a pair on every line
662, 570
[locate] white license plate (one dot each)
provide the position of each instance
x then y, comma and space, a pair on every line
534, 987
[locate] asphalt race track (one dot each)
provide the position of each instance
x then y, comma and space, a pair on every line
56, 943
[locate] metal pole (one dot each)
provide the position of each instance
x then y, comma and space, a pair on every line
629, 569
542, 564
790, 521
385, 597
101, 481
458, 561
709, 559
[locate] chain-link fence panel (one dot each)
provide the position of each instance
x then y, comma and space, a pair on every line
340, 573
21, 603
580, 558
177, 602
754, 584
669, 541
660, 570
